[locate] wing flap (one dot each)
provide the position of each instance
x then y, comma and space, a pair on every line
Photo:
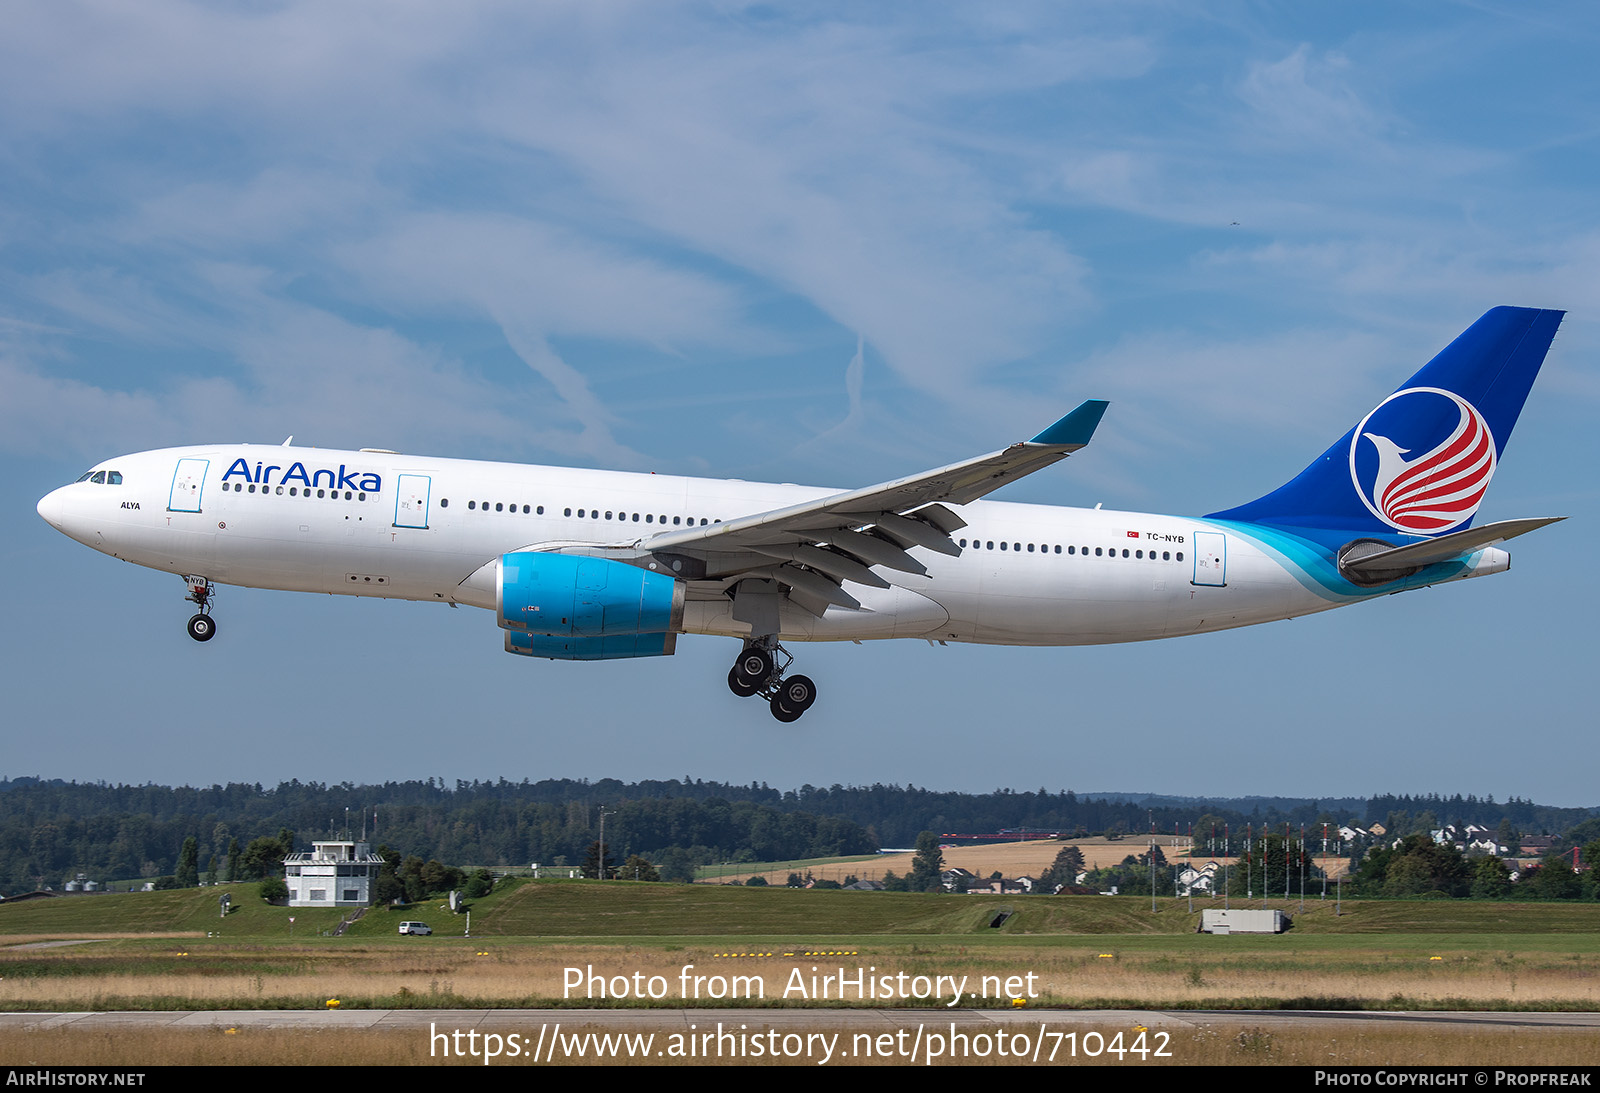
875, 551
831, 562
910, 531
816, 586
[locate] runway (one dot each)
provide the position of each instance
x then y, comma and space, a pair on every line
800, 1036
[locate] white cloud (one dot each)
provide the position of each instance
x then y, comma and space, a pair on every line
1307, 101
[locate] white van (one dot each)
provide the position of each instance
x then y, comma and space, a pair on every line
415, 928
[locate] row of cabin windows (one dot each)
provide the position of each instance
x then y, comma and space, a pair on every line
500, 506
102, 478
586, 514
1099, 552
294, 491
115, 478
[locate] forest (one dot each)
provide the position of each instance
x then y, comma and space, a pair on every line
52, 830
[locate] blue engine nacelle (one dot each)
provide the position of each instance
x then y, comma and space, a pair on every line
569, 607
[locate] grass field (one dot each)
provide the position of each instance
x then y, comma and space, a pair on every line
164, 950
547, 908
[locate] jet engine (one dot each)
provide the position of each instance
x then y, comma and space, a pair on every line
571, 607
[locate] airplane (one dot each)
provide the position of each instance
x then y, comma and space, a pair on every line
598, 565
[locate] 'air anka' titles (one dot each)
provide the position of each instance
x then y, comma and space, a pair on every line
343, 480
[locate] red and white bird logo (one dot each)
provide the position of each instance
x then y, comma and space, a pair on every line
1434, 492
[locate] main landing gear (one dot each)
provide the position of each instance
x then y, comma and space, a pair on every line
757, 672
202, 627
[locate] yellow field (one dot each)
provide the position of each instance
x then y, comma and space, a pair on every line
1094, 973
1016, 859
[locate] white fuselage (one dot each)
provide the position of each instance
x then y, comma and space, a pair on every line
300, 519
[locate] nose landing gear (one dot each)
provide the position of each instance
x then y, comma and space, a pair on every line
202, 627
757, 672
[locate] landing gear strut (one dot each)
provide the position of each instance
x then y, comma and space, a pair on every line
202, 627
758, 672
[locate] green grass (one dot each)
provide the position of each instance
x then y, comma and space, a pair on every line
623, 909
733, 870
1451, 916
588, 909
188, 910
1097, 951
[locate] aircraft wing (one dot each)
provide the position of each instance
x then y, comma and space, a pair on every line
815, 546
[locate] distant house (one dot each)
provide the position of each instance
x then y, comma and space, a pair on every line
1204, 879
955, 878
1003, 887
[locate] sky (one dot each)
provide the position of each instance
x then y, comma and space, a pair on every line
822, 243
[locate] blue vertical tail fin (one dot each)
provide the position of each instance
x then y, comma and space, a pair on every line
1420, 462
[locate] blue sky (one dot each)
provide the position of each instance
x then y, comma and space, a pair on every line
831, 244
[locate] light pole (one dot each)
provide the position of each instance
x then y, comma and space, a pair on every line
600, 866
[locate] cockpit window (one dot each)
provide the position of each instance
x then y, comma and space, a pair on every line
114, 478
99, 478
102, 478
84, 477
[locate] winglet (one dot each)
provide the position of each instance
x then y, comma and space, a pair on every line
1074, 430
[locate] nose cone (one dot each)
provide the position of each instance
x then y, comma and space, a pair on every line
53, 508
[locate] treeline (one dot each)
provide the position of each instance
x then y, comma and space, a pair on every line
50, 830
1420, 867
1524, 816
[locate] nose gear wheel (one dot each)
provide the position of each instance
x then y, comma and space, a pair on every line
202, 627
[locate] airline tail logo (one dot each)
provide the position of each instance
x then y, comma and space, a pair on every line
1438, 489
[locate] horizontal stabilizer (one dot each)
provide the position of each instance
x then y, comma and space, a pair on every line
1446, 547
